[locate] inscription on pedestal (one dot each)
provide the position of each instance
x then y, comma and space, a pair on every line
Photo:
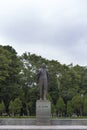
43, 112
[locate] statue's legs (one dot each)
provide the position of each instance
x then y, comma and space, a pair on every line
41, 89
45, 89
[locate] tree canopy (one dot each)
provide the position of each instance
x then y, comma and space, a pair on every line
18, 80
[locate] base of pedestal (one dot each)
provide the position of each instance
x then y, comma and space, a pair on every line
43, 112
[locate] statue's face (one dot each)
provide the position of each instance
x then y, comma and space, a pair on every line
43, 65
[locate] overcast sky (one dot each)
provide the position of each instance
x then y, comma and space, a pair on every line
54, 29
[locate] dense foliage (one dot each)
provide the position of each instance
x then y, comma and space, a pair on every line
19, 90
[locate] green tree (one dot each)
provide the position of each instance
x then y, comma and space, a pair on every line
11, 107
2, 108
53, 109
4, 64
28, 81
70, 82
85, 105
54, 68
60, 107
77, 103
9, 74
18, 79
15, 106
69, 108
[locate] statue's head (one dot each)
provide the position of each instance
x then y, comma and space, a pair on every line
43, 65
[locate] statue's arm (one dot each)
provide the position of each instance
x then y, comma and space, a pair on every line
38, 75
48, 77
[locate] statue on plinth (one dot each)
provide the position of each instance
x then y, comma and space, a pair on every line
43, 78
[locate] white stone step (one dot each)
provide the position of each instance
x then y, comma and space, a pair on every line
58, 127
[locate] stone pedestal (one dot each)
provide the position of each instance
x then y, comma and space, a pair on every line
43, 112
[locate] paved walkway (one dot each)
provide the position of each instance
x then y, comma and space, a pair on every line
63, 127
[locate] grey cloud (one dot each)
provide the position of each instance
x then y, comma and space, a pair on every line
59, 24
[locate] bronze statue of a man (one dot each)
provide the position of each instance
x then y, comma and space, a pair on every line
43, 78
